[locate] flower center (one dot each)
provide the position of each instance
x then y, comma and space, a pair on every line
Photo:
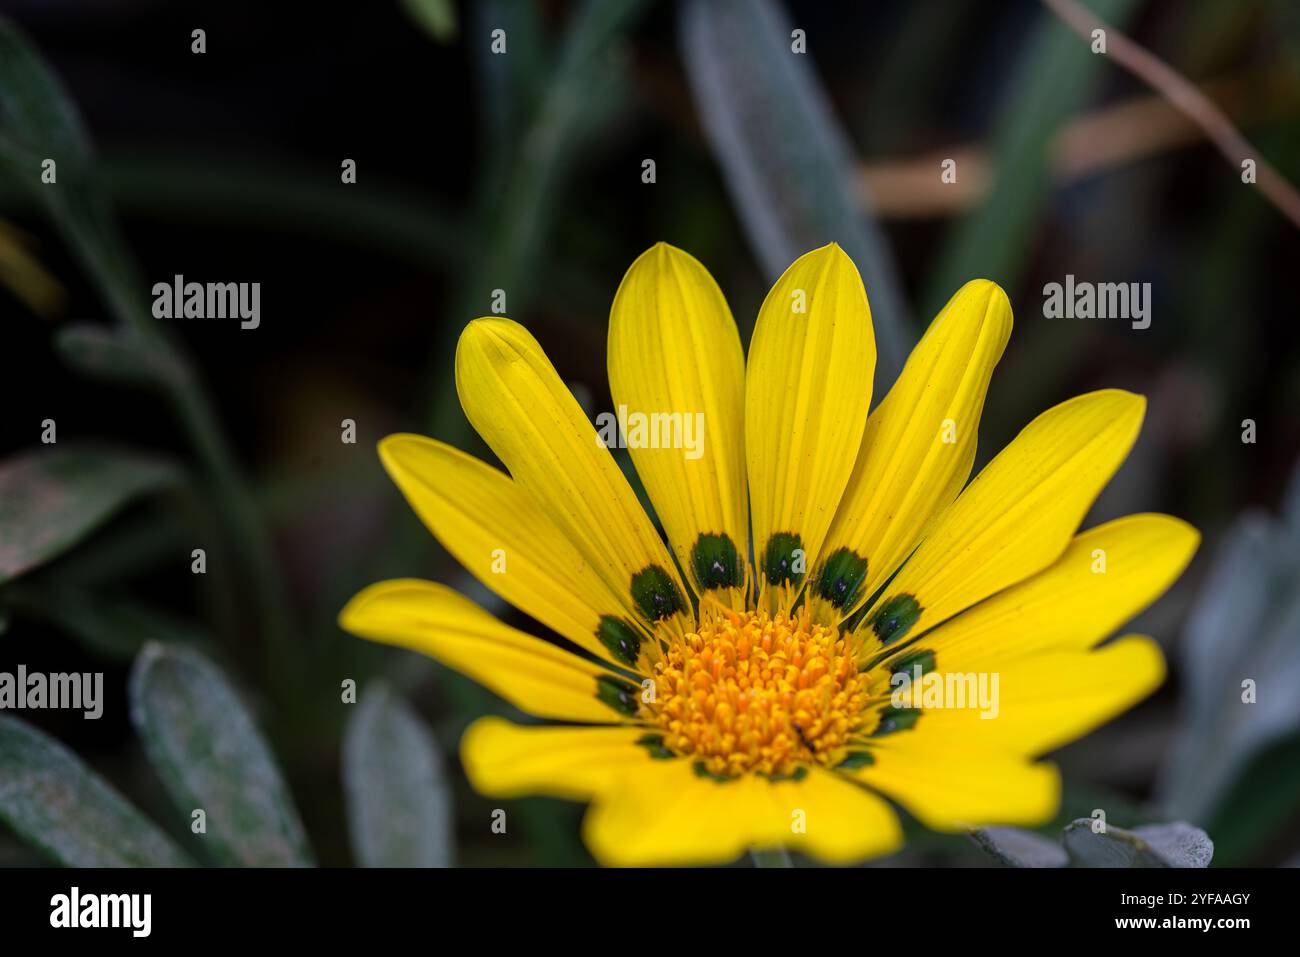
749, 692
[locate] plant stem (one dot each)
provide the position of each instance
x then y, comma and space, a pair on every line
116, 275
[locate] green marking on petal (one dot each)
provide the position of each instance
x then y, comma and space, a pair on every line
702, 771
798, 774
841, 578
784, 561
654, 743
906, 663
896, 719
855, 760
655, 594
895, 618
716, 562
618, 694
622, 640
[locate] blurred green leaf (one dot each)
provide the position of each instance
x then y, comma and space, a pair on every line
52, 498
898, 92
399, 807
1051, 79
436, 17
1152, 845
117, 356
511, 85
41, 122
52, 800
1015, 847
786, 160
1155, 845
37, 118
110, 627
1260, 804
582, 93
235, 191
210, 755
1244, 626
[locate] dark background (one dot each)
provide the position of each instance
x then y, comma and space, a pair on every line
225, 167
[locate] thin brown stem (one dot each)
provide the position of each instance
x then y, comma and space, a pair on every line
1186, 97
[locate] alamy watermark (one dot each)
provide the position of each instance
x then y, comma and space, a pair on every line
946, 689
133, 912
652, 430
1098, 300
24, 690
179, 299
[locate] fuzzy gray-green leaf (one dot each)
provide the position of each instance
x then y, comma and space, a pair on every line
1241, 662
1154, 845
785, 157
52, 498
210, 755
399, 807
51, 800
1015, 847
118, 356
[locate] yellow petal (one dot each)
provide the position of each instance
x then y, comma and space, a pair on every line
917, 449
1107, 575
1016, 517
1047, 700
516, 401
501, 535
675, 358
666, 814
505, 760
954, 788
531, 674
807, 393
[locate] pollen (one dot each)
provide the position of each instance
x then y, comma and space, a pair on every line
748, 692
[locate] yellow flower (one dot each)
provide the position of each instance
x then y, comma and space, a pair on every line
726, 703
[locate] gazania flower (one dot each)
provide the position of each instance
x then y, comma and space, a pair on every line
739, 682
